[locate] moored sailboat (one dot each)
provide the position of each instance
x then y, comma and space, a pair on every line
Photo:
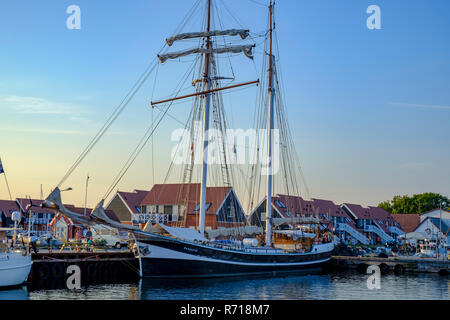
166, 252
165, 256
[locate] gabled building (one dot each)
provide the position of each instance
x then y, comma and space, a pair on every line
7, 207
283, 206
375, 223
179, 205
435, 213
408, 222
40, 217
127, 206
435, 229
330, 214
64, 228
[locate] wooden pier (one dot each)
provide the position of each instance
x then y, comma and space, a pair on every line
397, 265
50, 269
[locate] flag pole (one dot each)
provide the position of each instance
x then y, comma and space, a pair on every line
85, 195
6, 179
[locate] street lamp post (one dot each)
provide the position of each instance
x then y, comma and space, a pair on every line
443, 203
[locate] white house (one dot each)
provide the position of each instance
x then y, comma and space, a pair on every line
435, 213
434, 228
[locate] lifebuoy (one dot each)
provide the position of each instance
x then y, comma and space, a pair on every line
57, 270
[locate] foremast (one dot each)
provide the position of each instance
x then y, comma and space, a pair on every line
208, 51
205, 137
270, 127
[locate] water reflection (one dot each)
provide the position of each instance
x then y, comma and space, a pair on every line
240, 288
341, 286
14, 294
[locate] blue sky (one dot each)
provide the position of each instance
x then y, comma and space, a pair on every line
369, 109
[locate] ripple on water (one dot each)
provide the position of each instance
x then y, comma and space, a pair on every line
341, 286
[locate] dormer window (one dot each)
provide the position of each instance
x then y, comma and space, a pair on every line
280, 204
197, 207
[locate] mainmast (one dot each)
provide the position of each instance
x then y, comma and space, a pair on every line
270, 127
207, 80
208, 51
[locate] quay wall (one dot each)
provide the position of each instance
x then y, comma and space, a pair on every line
397, 265
49, 270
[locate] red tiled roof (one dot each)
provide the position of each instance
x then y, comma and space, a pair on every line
8, 206
185, 194
297, 205
408, 222
133, 199
372, 213
292, 205
329, 208
359, 211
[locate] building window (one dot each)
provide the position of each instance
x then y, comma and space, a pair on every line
280, 204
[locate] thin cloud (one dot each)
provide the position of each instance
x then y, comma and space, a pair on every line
41, 106
44, 131
410, 165
423, 106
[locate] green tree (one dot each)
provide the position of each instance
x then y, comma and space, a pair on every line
418, 203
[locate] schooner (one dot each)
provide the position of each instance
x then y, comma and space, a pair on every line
166, 254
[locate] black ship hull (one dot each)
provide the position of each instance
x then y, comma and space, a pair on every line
172, 258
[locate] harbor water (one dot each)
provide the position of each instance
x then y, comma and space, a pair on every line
348, 285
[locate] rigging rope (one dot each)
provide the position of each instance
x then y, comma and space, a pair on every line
110, 120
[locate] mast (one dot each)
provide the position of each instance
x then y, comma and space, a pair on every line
270, 127
208, 51
207, 80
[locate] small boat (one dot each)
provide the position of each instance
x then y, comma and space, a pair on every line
15, 265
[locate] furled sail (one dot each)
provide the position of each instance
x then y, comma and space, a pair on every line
232, 32
243, 231
296, 234
246, 49
299, 220
53, 201
98, 215
181, 233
